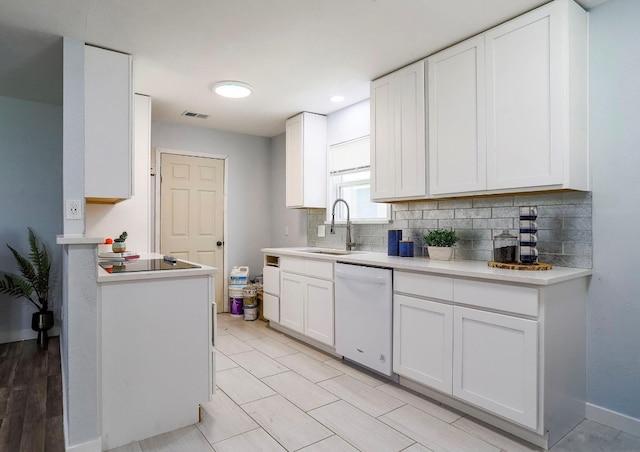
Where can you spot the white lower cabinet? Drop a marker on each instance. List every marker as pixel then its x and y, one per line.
pixel 306 306
pixel 495 363
pixel 292 301
pixel 318 310
pixel 423 341
pixel 271 293
pixel 487 359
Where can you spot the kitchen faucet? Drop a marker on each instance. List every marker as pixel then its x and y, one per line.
pixel 350 244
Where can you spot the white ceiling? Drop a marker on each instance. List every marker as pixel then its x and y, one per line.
pixel 295 53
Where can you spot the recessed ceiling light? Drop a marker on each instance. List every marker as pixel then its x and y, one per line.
pixel 336 98
pixel 232 89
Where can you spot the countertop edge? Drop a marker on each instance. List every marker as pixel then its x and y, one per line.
pixel 460 268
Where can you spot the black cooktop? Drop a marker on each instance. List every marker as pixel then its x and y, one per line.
pixel 144 265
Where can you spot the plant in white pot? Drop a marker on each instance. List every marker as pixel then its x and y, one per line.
pixel 440 242
pixel 33 285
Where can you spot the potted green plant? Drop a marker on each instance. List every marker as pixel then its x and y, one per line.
pixel 119 245
pixel 33 285
pixel 440 242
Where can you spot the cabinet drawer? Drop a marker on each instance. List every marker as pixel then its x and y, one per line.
pixel 307 267
pixel 502 297
pixel 271 281
pixel 292 265
pixel 318 269
pixel 440 287
pixel 271 307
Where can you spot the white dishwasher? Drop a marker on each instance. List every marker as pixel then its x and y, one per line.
pixel 363 315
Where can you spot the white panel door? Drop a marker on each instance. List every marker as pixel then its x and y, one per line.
pixel 319 310
pixel 457 126
pixel 192 211
pixel 525 97
pixel 423 341
pixel 292 294
pixel 410 145
pixel 495 363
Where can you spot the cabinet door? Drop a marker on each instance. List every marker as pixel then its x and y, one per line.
pixel 271 307
pixel 306 161
pixel 108 124
pixel 271 279
pixel 457 137
pixel 292 301
pixel 423 341
pixel 382 139
pixel 398 128
pixel 294 162
pixel 410 145
pixel 319 310
pixel 495 363
pixel 525 117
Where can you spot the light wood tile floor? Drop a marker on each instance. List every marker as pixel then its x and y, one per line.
pixel 278 394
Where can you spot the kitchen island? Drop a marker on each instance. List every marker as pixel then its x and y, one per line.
pixel 155 348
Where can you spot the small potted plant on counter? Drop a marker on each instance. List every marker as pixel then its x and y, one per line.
pixel 440 242
pixel 33 285
pixel 119 245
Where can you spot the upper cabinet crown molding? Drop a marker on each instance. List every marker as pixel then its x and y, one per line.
pixel 398 140
pixel 306 161
pixel 108 125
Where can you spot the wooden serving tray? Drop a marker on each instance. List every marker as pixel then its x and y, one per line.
pixel 531 267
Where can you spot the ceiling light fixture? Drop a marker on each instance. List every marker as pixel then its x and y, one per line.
pixel 336 98
pixel 232 89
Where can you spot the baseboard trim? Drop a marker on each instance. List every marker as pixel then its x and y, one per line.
pixel 90 446
pixel 25 335
pixel 613 419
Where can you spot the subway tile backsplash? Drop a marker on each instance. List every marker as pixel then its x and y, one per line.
pixel 564 226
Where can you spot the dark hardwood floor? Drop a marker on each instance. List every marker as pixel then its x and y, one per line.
pixel 30 397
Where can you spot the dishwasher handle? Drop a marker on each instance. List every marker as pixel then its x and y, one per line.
pixel 369 279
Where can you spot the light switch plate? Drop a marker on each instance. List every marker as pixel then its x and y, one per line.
pixel 322 231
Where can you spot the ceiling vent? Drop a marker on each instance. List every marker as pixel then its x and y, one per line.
pixel 192 114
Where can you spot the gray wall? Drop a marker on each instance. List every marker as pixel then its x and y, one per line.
pixel 294 221
pixel 249 196
pixel 30 196
pixel 613 358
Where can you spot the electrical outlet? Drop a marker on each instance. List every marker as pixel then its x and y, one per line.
pixel 286 230
pixel 73 209
pixel 322 230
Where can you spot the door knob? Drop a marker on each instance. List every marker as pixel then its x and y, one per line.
pixel 219 243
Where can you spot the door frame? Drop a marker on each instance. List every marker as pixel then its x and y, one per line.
pixel 156 172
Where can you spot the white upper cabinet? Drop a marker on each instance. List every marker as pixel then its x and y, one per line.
pixel 108 125
pixel 508 108
pixel 536 100
pixel 398 147
pixel 306 161
pixel 457 142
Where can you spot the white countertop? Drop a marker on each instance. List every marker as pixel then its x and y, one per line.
pixel 106 277
pixel 461 268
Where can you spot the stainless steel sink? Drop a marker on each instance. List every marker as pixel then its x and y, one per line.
pixel 327 252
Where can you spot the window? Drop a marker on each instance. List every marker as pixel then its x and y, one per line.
pixel 349 179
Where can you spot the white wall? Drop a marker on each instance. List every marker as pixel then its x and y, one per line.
pixel 349 123
pixel 30 196
pixel 132 215
pixel 249 196
pixel 613 347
